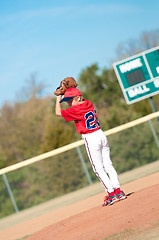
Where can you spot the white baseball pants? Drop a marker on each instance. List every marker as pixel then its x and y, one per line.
pixel 99 154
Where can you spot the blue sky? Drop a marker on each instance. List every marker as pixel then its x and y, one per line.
pixel 56 39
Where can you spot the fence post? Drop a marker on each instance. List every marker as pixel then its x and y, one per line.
pixel 153 106
pixel 10 192
pixel 84 165
pixel 154 133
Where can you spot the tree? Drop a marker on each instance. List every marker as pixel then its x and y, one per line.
pixel 131 47
pixel 56 133
pixel 21 129
pixel 99 86
pixel 32 89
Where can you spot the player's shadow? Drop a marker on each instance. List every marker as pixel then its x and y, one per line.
pixel 129 194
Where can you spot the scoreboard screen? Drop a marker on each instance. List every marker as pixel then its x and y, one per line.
pixel 135 77
pixel 138 75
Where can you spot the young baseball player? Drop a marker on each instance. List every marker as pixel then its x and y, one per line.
pixel 82 112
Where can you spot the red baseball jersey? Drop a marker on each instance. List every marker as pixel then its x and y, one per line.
pixel 84 116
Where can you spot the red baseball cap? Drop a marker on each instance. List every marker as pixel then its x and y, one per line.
pixel 70 93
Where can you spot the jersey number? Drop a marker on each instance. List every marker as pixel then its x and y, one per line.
pixel 91 121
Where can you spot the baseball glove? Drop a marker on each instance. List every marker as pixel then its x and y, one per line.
pixel 64 85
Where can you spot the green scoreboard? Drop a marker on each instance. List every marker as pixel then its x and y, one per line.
pixel 138 75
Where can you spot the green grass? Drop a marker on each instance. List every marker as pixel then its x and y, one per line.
pixel 149 233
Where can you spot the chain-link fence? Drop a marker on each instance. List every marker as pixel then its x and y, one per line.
pixel 67 169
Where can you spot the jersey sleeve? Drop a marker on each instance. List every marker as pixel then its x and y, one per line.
pixel 71 114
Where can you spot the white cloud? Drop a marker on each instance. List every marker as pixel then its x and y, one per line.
pixel 74 10
pixel 30 14
pixel 109 8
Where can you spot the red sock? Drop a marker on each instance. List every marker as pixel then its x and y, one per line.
pixel 117 191
pixel 111 194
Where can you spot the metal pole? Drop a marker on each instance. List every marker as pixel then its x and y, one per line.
pixel 10 192
pixel 84 165
pixel 153 106
pixel 154 133
pixel 154 109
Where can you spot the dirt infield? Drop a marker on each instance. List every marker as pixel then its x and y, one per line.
pixel 97 223
pixel 86 219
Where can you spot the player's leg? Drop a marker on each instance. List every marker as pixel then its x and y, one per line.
pixel 109 168
pixel 95 155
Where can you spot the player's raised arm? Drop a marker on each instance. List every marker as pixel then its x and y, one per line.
pixel 58 106
pixel 66 83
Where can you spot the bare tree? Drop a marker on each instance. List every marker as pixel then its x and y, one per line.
pixel 32 89
pixel 131 47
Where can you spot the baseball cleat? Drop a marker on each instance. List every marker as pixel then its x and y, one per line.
pixel 109 200
pixel 121 195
